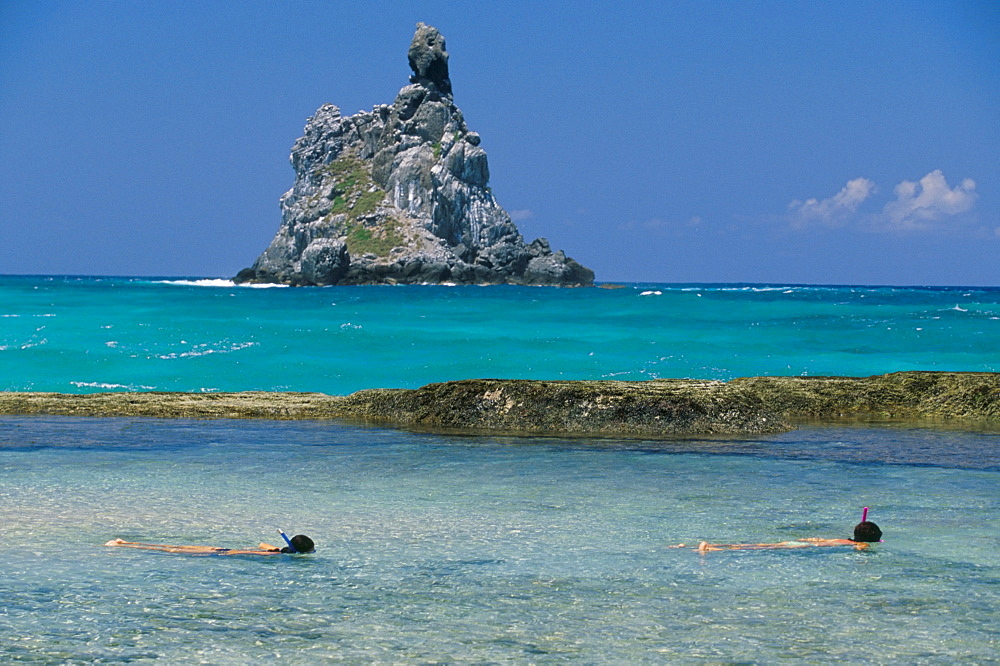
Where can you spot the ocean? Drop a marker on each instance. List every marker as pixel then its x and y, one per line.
pixel 457 549
pixel 105 334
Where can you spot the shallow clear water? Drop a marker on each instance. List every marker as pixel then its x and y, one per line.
pixel 486 550
pixel 89 334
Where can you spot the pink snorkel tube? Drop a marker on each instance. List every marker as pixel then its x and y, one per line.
pixel 864 518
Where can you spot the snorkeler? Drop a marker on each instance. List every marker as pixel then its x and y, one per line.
pixel 865 533
pixel 299 543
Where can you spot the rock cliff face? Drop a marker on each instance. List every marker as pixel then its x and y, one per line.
pixel 401 195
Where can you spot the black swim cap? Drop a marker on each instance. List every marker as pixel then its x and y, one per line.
pixel 302 544
pixel 867 531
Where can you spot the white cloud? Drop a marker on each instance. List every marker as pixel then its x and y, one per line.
pixel 919 205
pixel 834 211
pixel 521 214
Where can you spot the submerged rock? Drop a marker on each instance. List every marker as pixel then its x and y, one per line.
pixel 401 195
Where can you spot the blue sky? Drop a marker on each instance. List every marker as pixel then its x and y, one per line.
pixel 794 142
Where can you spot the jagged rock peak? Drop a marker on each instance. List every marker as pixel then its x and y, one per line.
pixel 401 195
pixel 429 59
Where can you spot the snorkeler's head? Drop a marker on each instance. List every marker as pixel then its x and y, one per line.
pixel 302 544
pixel 868 531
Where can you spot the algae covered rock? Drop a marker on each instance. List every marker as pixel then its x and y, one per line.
pixel 602 408
pixel 946 396
pixel 645 410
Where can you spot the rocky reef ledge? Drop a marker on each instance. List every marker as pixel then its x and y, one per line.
pixel 645 410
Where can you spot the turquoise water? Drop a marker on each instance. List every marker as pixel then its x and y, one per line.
pixel 87 334
pixel 453 549
pixel 491 550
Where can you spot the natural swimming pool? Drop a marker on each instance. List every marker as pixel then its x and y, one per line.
pixel 458 549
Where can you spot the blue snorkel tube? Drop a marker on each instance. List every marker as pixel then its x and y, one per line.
pixel 287 540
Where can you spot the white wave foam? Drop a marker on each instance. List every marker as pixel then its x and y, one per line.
pixel 29 344
pixel 737 288
pixel 267 285
pixel 651 293
pixel 218 282
pixel 205 350
pixel 103 385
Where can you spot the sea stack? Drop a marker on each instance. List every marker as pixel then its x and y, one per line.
pixel 401 195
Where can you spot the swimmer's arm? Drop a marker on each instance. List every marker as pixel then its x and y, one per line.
pixel 704 546
pixel 816 541
pixel 166 548
pixel 819 541
pixel 121 543
pixel 261 549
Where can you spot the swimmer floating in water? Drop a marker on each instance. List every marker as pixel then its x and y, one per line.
pixel 865 533
pixel 299 543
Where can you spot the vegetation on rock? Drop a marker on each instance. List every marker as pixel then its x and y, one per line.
pixel 357 197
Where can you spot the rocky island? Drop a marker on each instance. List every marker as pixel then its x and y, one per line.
pixel 401 195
